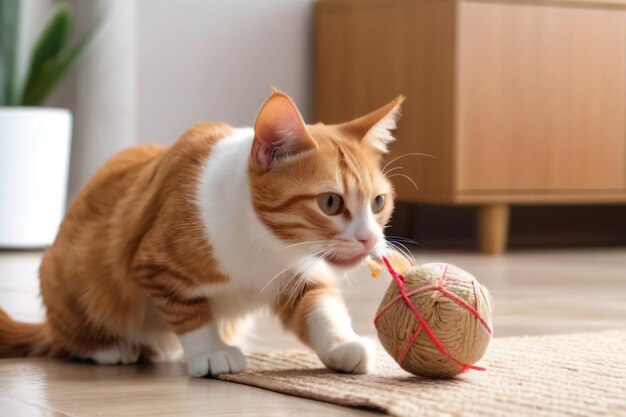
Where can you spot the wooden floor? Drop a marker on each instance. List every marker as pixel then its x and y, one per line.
pixel 535 293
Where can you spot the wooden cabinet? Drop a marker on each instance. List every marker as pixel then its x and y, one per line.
pixel 518 101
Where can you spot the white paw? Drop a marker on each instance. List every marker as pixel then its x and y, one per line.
pixel 227 359
pixel 356 357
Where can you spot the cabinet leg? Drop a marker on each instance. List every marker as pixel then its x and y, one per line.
pixel 493 227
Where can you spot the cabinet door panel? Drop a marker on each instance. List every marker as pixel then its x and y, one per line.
pixel 541 98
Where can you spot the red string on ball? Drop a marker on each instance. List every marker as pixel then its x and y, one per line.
pixel 422 324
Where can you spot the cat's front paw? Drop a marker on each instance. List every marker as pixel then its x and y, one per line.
pixel 225 360
pixel 356 356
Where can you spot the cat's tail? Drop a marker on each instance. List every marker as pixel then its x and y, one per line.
pixel 19 339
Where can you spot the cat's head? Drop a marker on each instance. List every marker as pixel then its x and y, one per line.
pixel 322 186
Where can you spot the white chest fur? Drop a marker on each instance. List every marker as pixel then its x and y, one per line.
pixel 246 250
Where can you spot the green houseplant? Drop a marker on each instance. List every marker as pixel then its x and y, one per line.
pixel 34 141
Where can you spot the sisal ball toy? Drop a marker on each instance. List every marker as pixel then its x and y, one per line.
pixel 435 319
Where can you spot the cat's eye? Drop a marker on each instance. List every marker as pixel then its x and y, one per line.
pixel 330 203
pixel 379 203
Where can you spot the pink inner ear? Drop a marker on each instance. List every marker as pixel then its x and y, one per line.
pixel 279 125
pixel 263 156
pixel 287 144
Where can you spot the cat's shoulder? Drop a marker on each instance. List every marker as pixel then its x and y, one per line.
pixel 200 138
pixel 194 146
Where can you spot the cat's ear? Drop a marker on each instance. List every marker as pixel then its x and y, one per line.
pixel 374 129
pixel 279 131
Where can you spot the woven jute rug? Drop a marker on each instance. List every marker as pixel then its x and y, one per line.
pixel 564 375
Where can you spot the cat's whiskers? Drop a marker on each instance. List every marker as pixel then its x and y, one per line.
pixel 394 169
pixel 407 177
pixel 284 249
pixel 402 249
pixel 282 271
pixel 405 240
pixel 317 256
pixel 301 277
pixel 289 265
pixel 296 288
pixel 288 284
pixel 404 156
pixel 402 238
pixel 298 244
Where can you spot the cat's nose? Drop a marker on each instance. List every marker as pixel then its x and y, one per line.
pixel 368 240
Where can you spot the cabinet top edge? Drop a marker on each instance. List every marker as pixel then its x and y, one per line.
pixel 330 5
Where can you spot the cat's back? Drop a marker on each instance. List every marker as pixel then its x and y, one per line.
pixel 125 195
pixel 115 179
pixel 143 172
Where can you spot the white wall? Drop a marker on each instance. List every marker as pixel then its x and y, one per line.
pixel 201 60
pixel 100 90
pixel 192 60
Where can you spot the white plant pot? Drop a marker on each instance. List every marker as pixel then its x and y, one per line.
pixel 34 165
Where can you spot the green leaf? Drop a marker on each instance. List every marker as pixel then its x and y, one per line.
pixel 52 72
pixel 48 47
pixel 9 41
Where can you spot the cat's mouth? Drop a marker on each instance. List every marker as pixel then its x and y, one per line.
pixel 346 262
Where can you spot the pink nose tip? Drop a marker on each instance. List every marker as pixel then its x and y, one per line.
pixel 368 240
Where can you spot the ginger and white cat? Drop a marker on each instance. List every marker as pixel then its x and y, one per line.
pixel 187 239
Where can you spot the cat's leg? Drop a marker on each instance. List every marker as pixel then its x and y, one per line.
pixel 191 319
pixel 235 330
pixel 318 316
pixel 207 354
pixel 120 352
pixel 83 339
